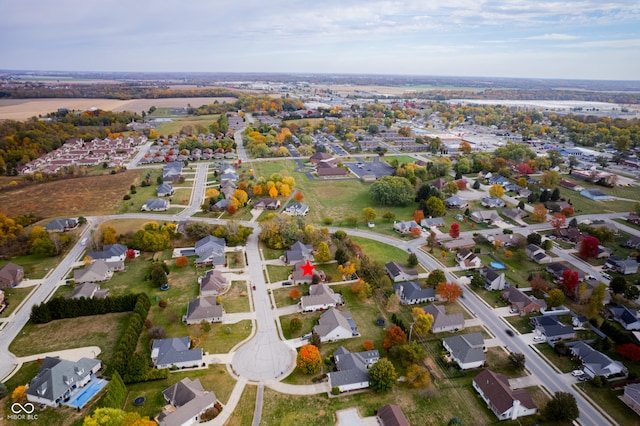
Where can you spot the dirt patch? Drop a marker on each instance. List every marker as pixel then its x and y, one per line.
pixel 433 369
pixel 86 196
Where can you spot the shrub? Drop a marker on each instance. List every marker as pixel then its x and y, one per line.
pixel 335 390
pixel 163 303
pixel 126 197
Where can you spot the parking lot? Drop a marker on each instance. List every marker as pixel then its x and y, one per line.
pixel 375 167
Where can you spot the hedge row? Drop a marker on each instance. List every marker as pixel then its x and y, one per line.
pixel 60 307
pixel 127 344
pixel 116 393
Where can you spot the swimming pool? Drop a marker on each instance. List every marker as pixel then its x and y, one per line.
pixel 498 265
pixel 81 398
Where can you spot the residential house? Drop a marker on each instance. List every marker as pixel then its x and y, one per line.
pixel 458 243
pixel 633 242
pixel 490 217
pixel 405 227
pixel 522 303
pixel 537 254
pixel 466 350
pixel 467 259
pixel 203 309
pixel 484 174
pixel 299 277
pixel 335 325
pixel 627 318
pixel 572 235
pixel 187 401
pixel 455 202
pixel 267 203
pixel 155 205
pixel 579 321
pixel 507 240
pixel 596 363
pixel 3 301
pixel 443 322
pixel 61 225
pixel 298 252
pixel 492 202
pixel 398 273
pixel 89 291
pixel 175 352
pixel 550 327
pixel 556 269
pixel 391 415
pixel 210 251
pixel 110 253
pixel 498 180
pixel 58 379
pixel 432 222
pixel 97 271
pixel 633 218
pixel 631 397
pixel 165 190
pixel 439 184
pixel 506 403
pixel 493 280
pixel 595 194
pixel 352 369
pixel 11 275
pixel 212 283
pixel 220 205
pixel 624 266
pixel 297 209
pixel 171 171
pixel 322 157
pixel 410 293
pixel 515 213
pixel 320 298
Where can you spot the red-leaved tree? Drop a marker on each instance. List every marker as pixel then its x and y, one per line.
pixel 131 254
pixel 462 184
pixel 394 337
pixel 558 220
pixel 454 230
pixel 299 196
pixel 630 351
pixel 294 294
pixel 449 291
pixel 524 169
pixel 182 261
pixel 589 247
pixel 416 232
pixel 570 280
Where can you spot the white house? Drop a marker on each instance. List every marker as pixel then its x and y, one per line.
pixel 187 401
pixel 175 352
pixel 466 350
pixel 59 379
pixel 352 369
pixel 320 297
pixel 410 293
pixel 336 325
pixel 506 403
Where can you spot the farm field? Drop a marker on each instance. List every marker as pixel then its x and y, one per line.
pixel 21 109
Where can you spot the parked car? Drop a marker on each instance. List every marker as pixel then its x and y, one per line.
pixel 539 338
pixel 287 283
pixel 305 336
pixel 606 277
pixel 577 373
pixel 583 378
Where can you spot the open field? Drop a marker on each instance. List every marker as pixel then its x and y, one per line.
pixel 13 298
pixel 21 109
pixel 243 413
pixel 86 196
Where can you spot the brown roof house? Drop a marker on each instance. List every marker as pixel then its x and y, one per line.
pixel 212 283
pixel 467 259
pixel 203 309
pixel 11 275
pixel 187 401
pixel 392 415
pixel 506 404
pixel 522 303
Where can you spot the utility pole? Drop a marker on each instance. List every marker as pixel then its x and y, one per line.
pixel 410 330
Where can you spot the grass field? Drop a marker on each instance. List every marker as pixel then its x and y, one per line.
pixel 243 413
pixel 174 126
pixel 95 330
pixel 13 298
pixel 278 273
pixel 35 266
pixel 235 300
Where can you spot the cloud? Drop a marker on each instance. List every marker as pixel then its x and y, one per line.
pixel 554 36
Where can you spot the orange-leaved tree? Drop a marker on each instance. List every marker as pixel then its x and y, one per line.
pixel 395 336
pixel 449 291
pixel 367 345
pixel 294 294
pixel 309 360
pixel 182 261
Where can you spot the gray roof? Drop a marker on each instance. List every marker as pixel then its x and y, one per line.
pixel 96 271
pixel 165 188
pixel 174 350
pixel 352 366
pixel 332 319
pixel 394 269
pixel 412 291
pixel 89 290
pixel 213 280
pixel 597 362
pixel 190 398
pixel 108 251
pixel 441 319
pixel 56 376
pixel 59 224
pixel 211 249
pixel 467 347
pixel 392 415
pixel 156 204
pixel 298 252
pixel 321 294
pixel 204 308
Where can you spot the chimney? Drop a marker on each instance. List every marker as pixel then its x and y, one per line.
pixel 515 409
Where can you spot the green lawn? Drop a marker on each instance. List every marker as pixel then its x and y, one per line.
pixel 563 363
pixel 278 273
pixel 218 341
pixel 520 323
pixel 13 298
pixel 96 330
pixel 281 295
pixel 270 254
pixel 609 402
pixel 35 267
pixel 309 320
pixel 493 298
pixel 236 300
pixel 243 413
pixel 380 252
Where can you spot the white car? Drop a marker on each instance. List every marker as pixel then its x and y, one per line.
pixel 539 338
pixel 577 373
pixel 606 277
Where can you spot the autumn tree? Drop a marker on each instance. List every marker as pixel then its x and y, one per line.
pixel 416 232
pixel 182 261
pixel 434 206
pixel 309 360
pixel 347 270
pixel 19 394
pixel 212 193
pixel 570 280
pixel 436 277
pixel 597 300
pixel 368 345
pixel 273 192
pixel 550 178
pixel 393 337
pixel 418 215
pixel 241 196
pixel 539 213
pixel 323 254
pixel 555 298
pixel 109 236
pixel 368 214
pixel 589 247
pixel 361 289
pixel 496 190
pixel 294 294
pixel 382 376
pixel 417 376
pixel 298 196
pixel 449 291
pixel 558 221
pixel 454 230
pixel 538 283
pixel 422 321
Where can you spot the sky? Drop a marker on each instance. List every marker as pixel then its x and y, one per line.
pixel 582 39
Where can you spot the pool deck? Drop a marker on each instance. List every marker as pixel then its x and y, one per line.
pixel 86 393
